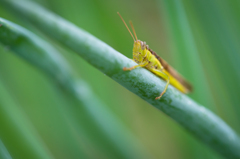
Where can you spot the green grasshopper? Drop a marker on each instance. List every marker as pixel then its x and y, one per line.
pixel 148 59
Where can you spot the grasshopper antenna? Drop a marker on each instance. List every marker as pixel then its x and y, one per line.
pixel 133 30
pixel 126 25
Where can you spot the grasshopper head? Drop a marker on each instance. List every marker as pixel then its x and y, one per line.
pixel 139 46
pixel 138 50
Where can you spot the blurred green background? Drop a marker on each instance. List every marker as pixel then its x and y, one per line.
pixel 200 38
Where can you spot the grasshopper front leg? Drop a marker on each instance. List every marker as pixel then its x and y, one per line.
pixel 133 67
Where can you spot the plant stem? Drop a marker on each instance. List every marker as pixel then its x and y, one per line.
pixel 42 55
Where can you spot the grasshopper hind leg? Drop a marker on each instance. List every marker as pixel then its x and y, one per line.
pixel 165 77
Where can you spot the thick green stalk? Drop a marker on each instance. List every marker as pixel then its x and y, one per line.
pixel 198 120
pixel 40 54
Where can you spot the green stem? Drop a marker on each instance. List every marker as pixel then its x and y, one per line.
pixel 198 120
pixel 42 55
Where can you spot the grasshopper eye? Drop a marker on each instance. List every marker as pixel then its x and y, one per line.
pixel 143 45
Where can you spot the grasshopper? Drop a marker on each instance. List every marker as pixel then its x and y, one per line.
pixel 147 58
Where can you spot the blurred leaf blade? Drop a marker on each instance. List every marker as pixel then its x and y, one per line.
pixel 211 25
pixel 4 152
pixel 16 127
pixel 220 34
pixel 187 55
pixel 214 39
pixel 186 51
